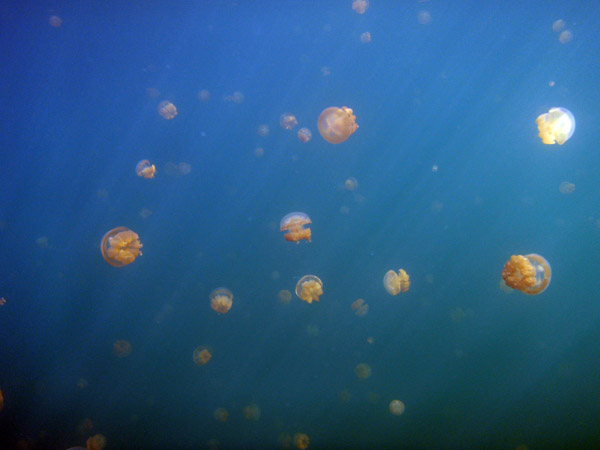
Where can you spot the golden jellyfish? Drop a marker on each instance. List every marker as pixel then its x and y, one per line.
pixel 120 246
pixel 301 441
pixel 304 135
pixel 221 414
pixel 566 188
pixel 201 356
pixel 529 274
pixel 252 412
pixel 288 121
pixel 397 407
pixel 360 6
pixel 395 283
pixel 221 300
pixel 293 224
pixel 167 109
pixel 145 169
pixel 556 126
pixel 284 296
pixel 96 442
pixel 359 307
pixel 309 288
pixel 122 348
pixel 336 124
pixel 362 371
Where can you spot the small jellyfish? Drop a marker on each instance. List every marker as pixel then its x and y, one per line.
pixel 529 274
pixel 288 121
pixel 336 124
pixel 167 109
pixel 565 37
pixel 55 21
pixel 221 300
pixel 252 412
pixel 396 283
pixel 301 441
pixel 221 414
pixel 351 184
pixel 556 126
pixel 204 95
pixel 424 17
pixel 304 135
pixel 362 371
pixel 396 407
pixel 201 355
pixel 122 348
pixel 359 307
pixel 558 26
pixel 309 288
pixel 96 442
pixel 1 400
pixel 360 6
pixel 365 37
pixel 263 130
pixel 293 224
pixel 145 169
pixel 2 301
pixel 284 296
pixel 120 246
pixel 566 188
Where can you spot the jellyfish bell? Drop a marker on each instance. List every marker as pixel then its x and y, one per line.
pixel 221 300
pixel 294 227
pixel 556 126
pixel 530 274
pixel 337 124
pixel 394 283
pixel 120 246
pixel 309 288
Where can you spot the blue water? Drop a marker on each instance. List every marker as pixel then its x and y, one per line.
pixel 475 366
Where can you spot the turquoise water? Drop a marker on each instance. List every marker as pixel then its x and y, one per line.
pixel 452 180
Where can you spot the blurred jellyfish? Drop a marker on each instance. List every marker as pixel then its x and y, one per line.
pixel 424 17
pixel 360 6
pixel 204 95
pixel 284 296
pixel 566 188
pixel 96 442
pixel 351 184
pixel 263 130
pixel 122 348
pixel 359 307
pixel 201 355
pixel 252 412
pixel 145 169
pixel 365 37
pixel 167 109
pixel 396 407
pixel 301 441
pixel 558 26
pixel 565 37
pixel 288 121
pixel 55 21
pixel 362 371
pixel 221 414
pixel 556 126
pixel 221 300
pixel 304 135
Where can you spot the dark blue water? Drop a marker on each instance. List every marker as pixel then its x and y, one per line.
pixel 475 366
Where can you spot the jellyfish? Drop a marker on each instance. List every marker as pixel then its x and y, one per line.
pixel 201 355
pixel 309 288
pixel 1 400
pixel 396 283
pixel 529 274
pixel 359 307
pixel 301 441
pixel 304 135
pixel 365 37
pixel 351 184
pixel 288 121
pixel 336 124
pixel 145 169
pixel 122 348
pixel 284 296
pixel 221 300
pixel 120 246
pixel 556 126
pixel 252 412
pixel 360 6
pixel 55 21
pixel 221 414
pixel 96 442
pixel 566 188
pixel 167 109
pixel 396 407
pixel 362 371
pixel 293 224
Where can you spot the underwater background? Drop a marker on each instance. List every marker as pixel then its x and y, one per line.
pixel 445 177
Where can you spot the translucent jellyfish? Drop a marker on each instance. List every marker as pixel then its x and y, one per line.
pixel 1 400
pixel 309 288
pixel 288 121
pixel 395 283
pixel 359 307
pixel 263 130
pixel 204 95
pixel 284 296
pixel 120 246
pixel 362 371
pixel 221 414
pixel 201 355
pixel 556 126
pixel 122 348
pixel 221 300
pixel 566 188
pixel 558 26
pixel 360 6
pixel 565 37
pixel 96 442
pixel 336 124
pixel 252 412
pixel 167 109
pixel 55 21
pixel 145 169
pixel 351 184
pixel 301 441
pixel 529 274
pixel 293 224
pixel 304 135
pixel 365 37
pixel 236 97
pixel 259 152
pixel 2 301
pixel 396 407
pixel 424 17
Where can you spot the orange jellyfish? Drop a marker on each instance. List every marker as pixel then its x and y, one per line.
pixel 309 288
pixel 359 307
pixel 252 412
pixel 397 407
pixel 122 348
pixel 337 124
pixel 362 371
pixel 529 274
pixel 304 135
pixel 288 121
pixel 120 246
pixel 96 442
pixel 556 126
pixel 201 355
pixel 301 441
pixel 167 109
pixel 396 283
pixel 145 169
pixel 293 224
pixel 221 300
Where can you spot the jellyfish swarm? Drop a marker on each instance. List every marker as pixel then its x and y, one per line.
pixel 293 225
pixel 337 124
pixel 145 169
pixel 309 288
pixel 120 246
pixel 221 300
pixel 556 126
pixel 396 283
pixel 529 274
